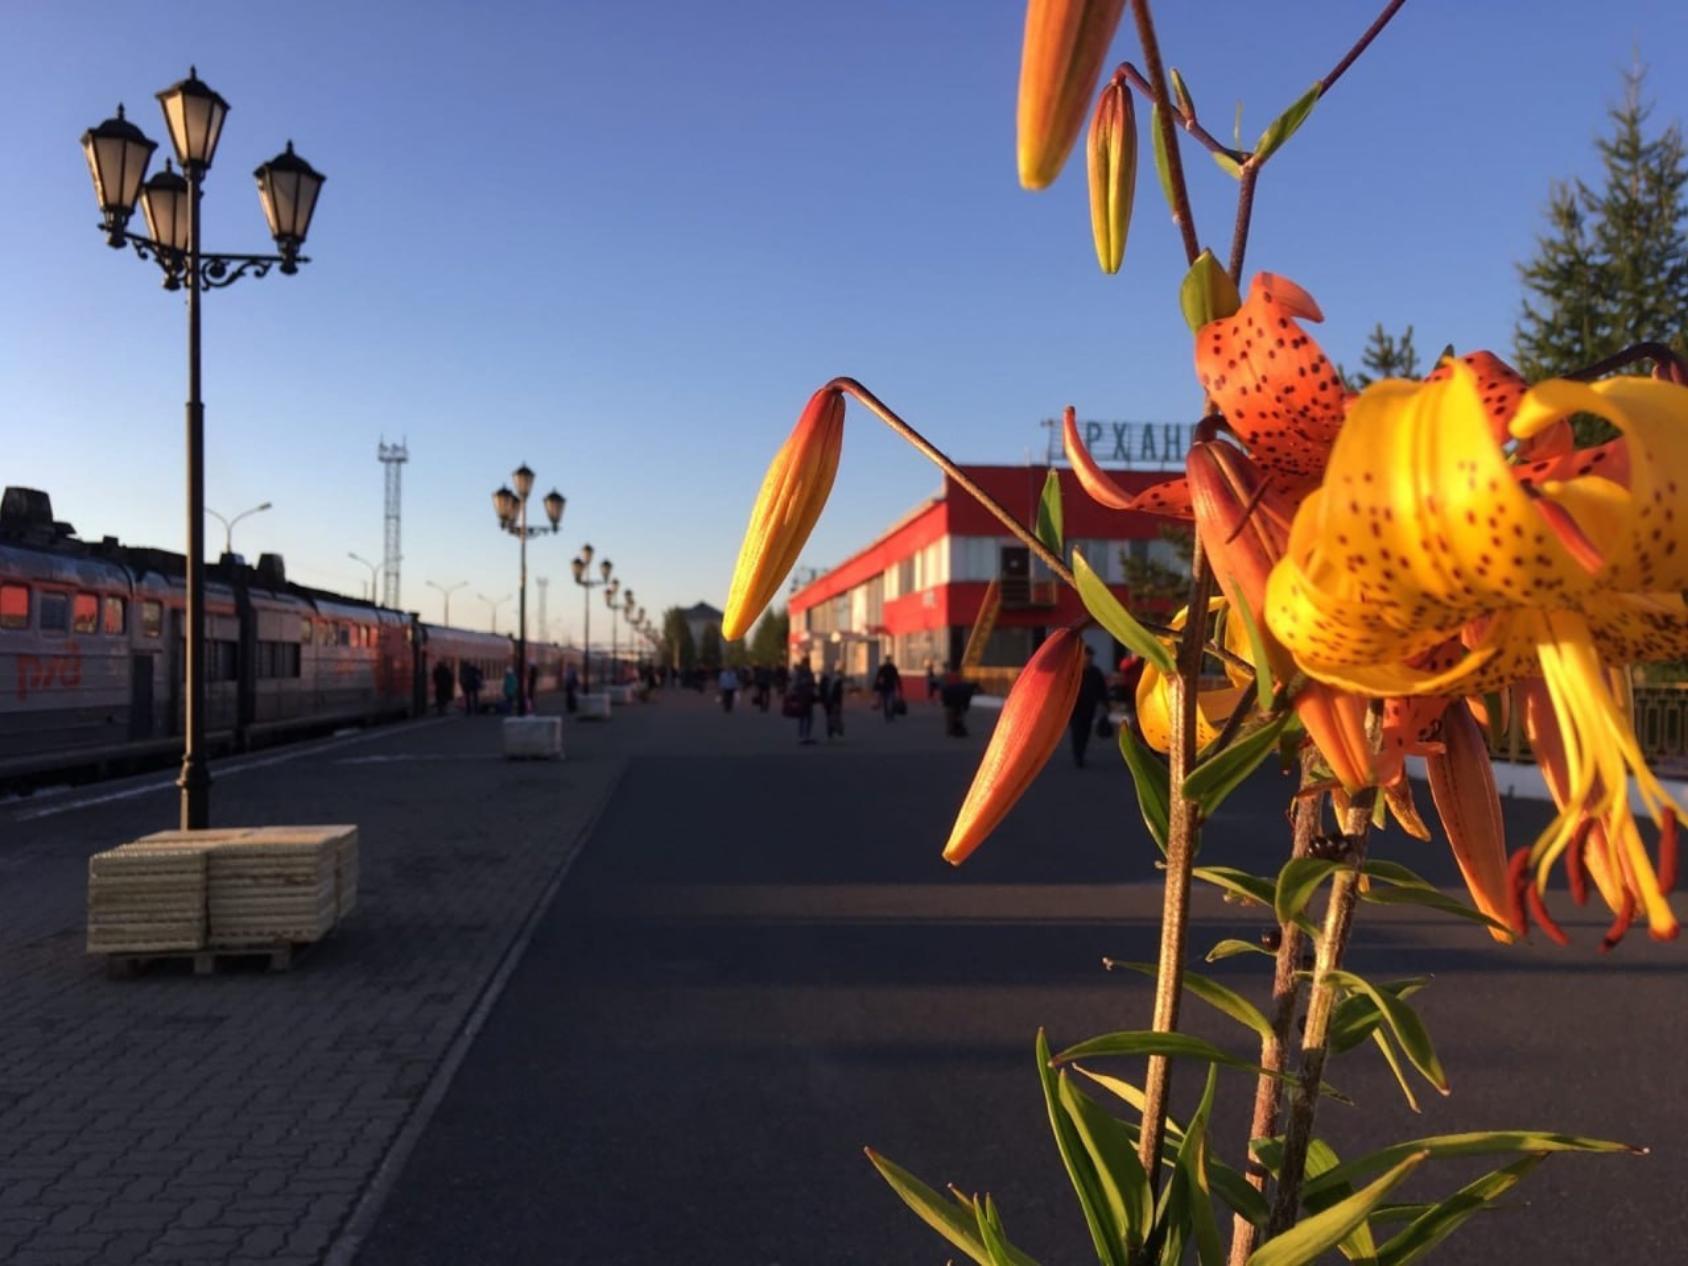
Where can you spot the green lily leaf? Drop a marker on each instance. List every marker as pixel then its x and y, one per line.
pixel 1181 98
pixel 1384 1045
pixel 1251 888
pixel 1311 1236
pixel 1110 1250
pixel 1357 1015
pixel 1264 685
pixel 1049 525
pixel 1358 1244
pixel 1207 292
pixel 1479 1143
pixel 1230 947
pixel 1153 781
pixel 1113 1156
pixel 1285 125
pixel 1297 882
pixel 991 1234
pixel 1404 1023
pixel 1172 1045
pixel 1218 776
pixel 1220 997
pixel 1192 1166
pixel 1432 898
pixel 939 1214
pixel 1163 171
pixel 1099 600
pixel 1441 1220
pixel 1230 166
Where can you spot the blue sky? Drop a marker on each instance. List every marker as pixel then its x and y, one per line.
pixel 623 242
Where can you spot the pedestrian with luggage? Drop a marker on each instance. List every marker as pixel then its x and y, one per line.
pixel 1092 694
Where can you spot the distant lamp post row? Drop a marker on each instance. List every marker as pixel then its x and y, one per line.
pixel 375 570
pixel 228 524
pixel 492 605
pixel 118 154
pixel 511 507
pixel 581 565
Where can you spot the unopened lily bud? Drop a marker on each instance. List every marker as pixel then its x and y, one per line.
pixel 1060 62
pixel 1113 172
pixel 793 492
pixel 1034 716
pixel 1462 783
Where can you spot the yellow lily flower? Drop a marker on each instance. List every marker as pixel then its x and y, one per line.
pixel 1422 531
pixel 1213 705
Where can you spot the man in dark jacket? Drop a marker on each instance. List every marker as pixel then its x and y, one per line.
pixel 442 687
pixel 1092 694
pixel 888 685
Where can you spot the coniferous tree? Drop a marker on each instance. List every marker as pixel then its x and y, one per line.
pixel 678 650
pixel 1385 357
pixel 1612 267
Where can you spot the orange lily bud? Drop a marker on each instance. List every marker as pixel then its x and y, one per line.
pixel 1243 521
pixel 1462 783
pixel 1060 61
pixel 793 492
pixel 1112 167
pixel 1034 716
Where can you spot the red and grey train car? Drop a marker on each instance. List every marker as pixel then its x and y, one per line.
pixel 91 649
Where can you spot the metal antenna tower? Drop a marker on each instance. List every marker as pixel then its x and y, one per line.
pixel 393 457
pixel 544 625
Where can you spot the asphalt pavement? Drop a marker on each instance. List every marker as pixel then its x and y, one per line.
pixel 759 964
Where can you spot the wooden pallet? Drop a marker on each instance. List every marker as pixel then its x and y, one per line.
pixel 280 956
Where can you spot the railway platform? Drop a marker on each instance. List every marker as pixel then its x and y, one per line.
pixel 238 1117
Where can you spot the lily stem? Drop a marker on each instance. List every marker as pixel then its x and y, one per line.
pixel 1183 834
pixel 1286 991
pixel 1181 210
pixel 1321 1001
pixel 941 460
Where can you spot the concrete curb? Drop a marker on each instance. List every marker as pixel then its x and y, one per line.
pixel 344 1250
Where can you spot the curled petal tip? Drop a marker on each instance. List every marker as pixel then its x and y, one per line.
pixel 1034 716
pixel 1061 59
pixel 1092 478
pixel 1462 783
pixel 793 492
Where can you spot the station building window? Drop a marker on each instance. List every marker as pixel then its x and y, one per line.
pixel 152 618
pixel 116 616
pixel 55 612
pixel 85 614
pixel 14 606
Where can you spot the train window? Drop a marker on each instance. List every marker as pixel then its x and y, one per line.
pixel 55 612
pixel 225 661
pixel 345 635
pixel 116 615
pixel 304 632
pixel 152 618
pixel 14 606
pixel 85 614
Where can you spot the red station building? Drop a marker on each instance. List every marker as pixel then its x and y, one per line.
pixel 918 591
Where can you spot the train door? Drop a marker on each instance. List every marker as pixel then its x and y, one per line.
pixel 140 697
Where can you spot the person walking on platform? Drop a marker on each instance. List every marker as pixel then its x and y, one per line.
pixel 888 685
pixel 832 700
pixel 571 689
pixel 728 683
pixel 1092 694
pixel 957 696
pixel 469 677
pixel 442 687
pixel 512 684
pixel 800 703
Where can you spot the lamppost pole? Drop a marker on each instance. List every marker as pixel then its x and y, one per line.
pixel 511 508
pixel 228 524
pixel 374 571
pixel 579 566
pixel 446 591
pixel 118 154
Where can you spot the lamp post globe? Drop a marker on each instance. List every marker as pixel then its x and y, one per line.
pixel 586 554
pixel 604 570
pixel 504 505
pixel 522 477
pixel 118 153
pixel 578 567
pixel 194 114
pixel 287 189
pixel 554 503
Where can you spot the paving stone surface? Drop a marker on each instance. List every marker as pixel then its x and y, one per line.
pixel 238 1117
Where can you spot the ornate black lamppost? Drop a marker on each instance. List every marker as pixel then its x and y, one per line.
pixel 511 508
pixel 582 578
pixel 118 154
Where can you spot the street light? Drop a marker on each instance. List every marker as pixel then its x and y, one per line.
pixel 118 154
pixel 580 564
pixel 511 508
pixel 228 524
pixel 447 591
pixel 492 607
pixel 610 597
pixel 374 571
